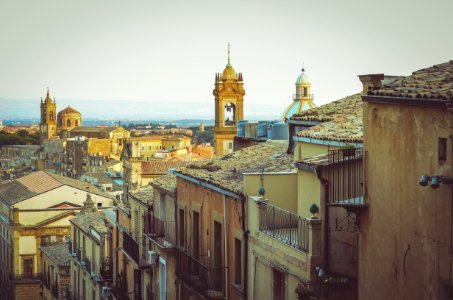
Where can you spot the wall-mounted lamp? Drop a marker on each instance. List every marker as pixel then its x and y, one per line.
pixel 436 180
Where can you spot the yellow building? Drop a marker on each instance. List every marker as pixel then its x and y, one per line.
pixel 69 118
pixel 91 243
pixel 55 265
pixel 159 146
pixel 34 211
pixel 302 99
pixel 229 107
pixel 48 124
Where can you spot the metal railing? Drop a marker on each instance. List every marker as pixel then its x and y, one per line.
pixel 80 255
pixel 336 288
pixel 130 246
pixel 284 226
pixel 27 276
pixel 207 281
pixel 106 269
pixel 88 265
pixel 346 176
pixel 161 231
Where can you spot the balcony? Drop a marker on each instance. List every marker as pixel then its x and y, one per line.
pixel 207 281
pixel 46 280
pixel 88 265
pixel 160 231
pixel 55 290
pixel 130 246
pixel 335 287
pixel 80 255
pixel 106 269
pixel 284 226
pixel 346 176
pixel 27 277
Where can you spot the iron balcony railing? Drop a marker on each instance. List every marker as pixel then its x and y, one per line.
pixel 207 281
pixel 284 226
pixel 106 269
pixel 336 288
pixel 88 265
pixel 27 276
pixel 130 246
pixel 346 177
pixel 161 231
pixel 80 255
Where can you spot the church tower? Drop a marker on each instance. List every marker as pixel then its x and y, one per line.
pixel 302 99
pixel 48 124
pixel 229 107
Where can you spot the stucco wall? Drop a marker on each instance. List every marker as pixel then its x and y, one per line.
pixel 281 188
pixel 309 193
pixel 406 232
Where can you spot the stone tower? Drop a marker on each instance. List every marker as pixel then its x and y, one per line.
pixel 229 107
pixel 48 124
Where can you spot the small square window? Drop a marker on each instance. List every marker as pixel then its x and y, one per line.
pixel 442 150
pixel 99 204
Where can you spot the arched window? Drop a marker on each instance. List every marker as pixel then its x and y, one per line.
pixel 76 123
pixel 229 114
pixel 68 123
pixel 51 115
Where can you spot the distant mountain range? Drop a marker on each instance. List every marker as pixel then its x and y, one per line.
pixel 27 110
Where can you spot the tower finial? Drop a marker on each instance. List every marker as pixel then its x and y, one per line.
pixel 229 54
pixel 303 66
pixel 47 91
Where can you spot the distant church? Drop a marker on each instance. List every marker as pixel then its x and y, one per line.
pixel 51 123
pixel 229 107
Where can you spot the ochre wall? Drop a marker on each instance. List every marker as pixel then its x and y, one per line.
pixel 405 234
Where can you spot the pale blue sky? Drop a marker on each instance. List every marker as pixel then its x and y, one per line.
pixel 170 50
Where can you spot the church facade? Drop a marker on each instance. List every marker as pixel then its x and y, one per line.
pixel 51 123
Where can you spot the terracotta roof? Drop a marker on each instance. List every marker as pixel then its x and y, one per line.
pixel 161 167
pixel 435 82
pixel 166 183
pixel 68 110
pixel 332 110
pixel 40 182
pixel 83 129
pixel 344 121
pixel 226 172
pixel 58 253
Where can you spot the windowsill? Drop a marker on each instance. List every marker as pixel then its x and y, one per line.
pixel 238 287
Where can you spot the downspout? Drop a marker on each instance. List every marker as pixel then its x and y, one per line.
pixel 326 252
pixel 175 194
pixel 246 247
pixel 225 246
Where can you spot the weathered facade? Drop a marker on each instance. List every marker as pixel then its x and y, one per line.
pixel 55 265
pixel 405 243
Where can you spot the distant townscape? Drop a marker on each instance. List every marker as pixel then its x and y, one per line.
pixel 347 200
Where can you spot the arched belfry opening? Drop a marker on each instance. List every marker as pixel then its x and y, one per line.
pixel 229 114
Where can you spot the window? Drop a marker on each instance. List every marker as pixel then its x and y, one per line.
pixel 182 228
pixel 68 123
pixel 230 145
pixel 76 123
pixel 278 284
pixel 27 268
pixel 51 115
pixel 442 150
pixel 100 204
pixel 196 234
pixel 237 262
pixel 305 92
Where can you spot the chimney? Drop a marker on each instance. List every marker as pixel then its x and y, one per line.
pixel 371 82
pixel 89 204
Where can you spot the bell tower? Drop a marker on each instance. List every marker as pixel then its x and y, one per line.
pixel 229 107
pixel 48 124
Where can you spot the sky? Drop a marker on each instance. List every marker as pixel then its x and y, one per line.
pixel 168 52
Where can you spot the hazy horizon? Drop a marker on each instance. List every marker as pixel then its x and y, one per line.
pixel 170 51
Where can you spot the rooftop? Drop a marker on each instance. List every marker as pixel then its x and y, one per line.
pixel 342 121
pixel 161 167
pixel 144 195
pixel 435 82
pixel 84 129
pixel 226 172
pixel 95 219
pixel 57 253
pixel 332 110
pixel 69 110
pixel 40 182
pixel 166 183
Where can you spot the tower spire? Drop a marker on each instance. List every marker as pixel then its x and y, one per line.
pixel 229 54
pixel 47 91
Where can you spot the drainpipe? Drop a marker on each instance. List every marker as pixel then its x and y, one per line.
pixel 246 247
pixel 225 245
pixel 326 252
